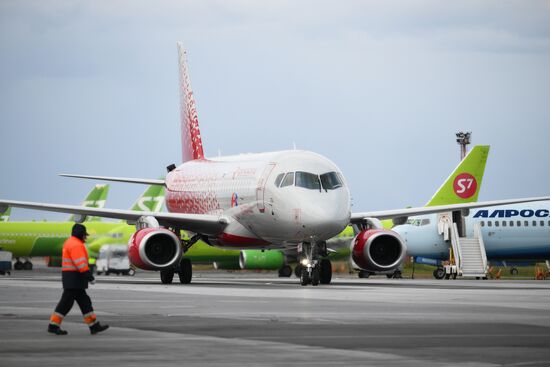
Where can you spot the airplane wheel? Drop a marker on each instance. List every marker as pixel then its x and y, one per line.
pixel 439 273
pixel 285 271
pixel 315 276
pixel 304 277
pixel 363 274
pixel 27 265
pixel 326 271
pixel 166 276
pixel 389 276
pixel 397 274
pixel 18 265
pixel 298 270
pixel 186 271
pixel 514 271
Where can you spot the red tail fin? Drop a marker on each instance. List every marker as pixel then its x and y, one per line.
pixel 191 143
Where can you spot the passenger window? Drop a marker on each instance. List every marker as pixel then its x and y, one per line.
pixel 308 181
pixel 511 223
pixel 330 181
pixel 289 180
pixel 504 223
pixel 526 223
pixel 482 223
pixel 279 179
pixel 489 223
pixel 518 223
pixel 534 223
pixel 541 223
pixel 497 223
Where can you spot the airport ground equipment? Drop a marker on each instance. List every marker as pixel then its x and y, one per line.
pixel 468 256
pixel 113 259
pixel 5 262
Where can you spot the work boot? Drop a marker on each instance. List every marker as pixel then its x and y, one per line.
pixel 98 328
pixel 54 329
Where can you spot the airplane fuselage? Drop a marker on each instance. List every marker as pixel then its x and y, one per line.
pixel 509 232
pixel 266 208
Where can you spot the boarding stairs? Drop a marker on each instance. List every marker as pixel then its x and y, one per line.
pixel 468 254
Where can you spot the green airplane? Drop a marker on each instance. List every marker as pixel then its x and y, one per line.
pixel 29 239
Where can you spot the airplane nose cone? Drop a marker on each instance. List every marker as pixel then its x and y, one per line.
pixel 326 221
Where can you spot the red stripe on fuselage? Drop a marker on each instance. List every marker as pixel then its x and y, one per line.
pixel 231 240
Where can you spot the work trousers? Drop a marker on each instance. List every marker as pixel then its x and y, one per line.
pixel 67 301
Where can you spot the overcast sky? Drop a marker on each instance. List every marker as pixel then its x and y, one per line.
pixel 379 87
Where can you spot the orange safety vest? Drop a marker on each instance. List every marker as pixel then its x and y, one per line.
pixel 74 256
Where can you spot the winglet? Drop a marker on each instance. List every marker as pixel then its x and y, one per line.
pixel 463 185
pixel 191 143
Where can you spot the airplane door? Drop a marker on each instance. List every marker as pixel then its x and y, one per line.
pixel 260 189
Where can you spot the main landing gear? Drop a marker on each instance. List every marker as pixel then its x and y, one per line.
pixel 19 265
pixel 184 269
pixel 314 270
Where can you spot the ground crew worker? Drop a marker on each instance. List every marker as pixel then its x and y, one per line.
pixel 75 276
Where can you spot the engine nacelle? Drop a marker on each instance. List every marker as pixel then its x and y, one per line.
pixel 154 248
pixel 378 250
pixel 261 260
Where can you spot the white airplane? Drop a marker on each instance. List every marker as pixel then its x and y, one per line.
pixel 271 200
pixel 519 232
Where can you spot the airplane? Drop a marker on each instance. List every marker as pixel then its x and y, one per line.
pixel 275 200
pixel 24 239
pixel 519 232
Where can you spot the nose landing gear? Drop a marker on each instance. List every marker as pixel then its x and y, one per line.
pixel 314 269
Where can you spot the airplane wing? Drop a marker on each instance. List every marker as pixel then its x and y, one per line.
pixel 390 214
pixel 199 223
pixel 145 181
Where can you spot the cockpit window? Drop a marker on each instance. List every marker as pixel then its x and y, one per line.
pixel 418 222
pixel 330 181
pixel 279 179
pixel 308 180
pixel 289 180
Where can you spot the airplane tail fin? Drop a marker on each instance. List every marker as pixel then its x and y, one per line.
pixel 463 185
pixel 5 215
pixel 95 199
pixel 191 142
pixel 151 200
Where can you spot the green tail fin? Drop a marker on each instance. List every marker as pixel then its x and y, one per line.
pixel 5 215
pixel 95 199
pixel 463 185
pixel 151 200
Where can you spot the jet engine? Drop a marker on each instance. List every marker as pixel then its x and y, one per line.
pixel 261 260
pixel 378 250
pixel 154 248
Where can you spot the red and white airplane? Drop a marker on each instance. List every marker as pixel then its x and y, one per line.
pixel 287 199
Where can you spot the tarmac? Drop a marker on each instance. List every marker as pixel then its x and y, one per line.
pixel 232 319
